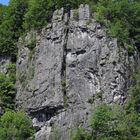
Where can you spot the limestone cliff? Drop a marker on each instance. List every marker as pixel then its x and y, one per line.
pixel 66 69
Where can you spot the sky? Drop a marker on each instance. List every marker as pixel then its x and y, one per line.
pixel 4 2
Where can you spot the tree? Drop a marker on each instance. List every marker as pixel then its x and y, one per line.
pixel 15 126
pixel 2 12
pixel 38 14
pixel 11 26
pixel 7 92
pixel 121 17
pixel 133 109
pixel 108 123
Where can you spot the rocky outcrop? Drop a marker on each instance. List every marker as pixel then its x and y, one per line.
pixel 4 62
pixel 68 68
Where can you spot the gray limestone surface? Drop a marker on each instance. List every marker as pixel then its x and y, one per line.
pixel 73 67
pixel 4 61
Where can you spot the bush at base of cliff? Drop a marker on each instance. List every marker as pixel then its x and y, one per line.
pixel 107 123
pixel 15 126
pixel 133 108
pixel 81 134
pixel 113 122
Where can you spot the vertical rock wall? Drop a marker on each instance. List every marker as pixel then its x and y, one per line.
pixel 72 66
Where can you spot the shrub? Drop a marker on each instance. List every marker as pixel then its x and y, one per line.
pixel 15 125
pixel 121 18
pixel 131 50
pixel 7 92
pixel 81 134
pixel 107 122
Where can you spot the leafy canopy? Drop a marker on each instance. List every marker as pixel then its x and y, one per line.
pixel 121 17
pixel 7 92
pixel 15 125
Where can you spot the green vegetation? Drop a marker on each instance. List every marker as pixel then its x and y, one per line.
pixel 99 95
pixel 7 92
pixel 2 11
pixel 40 12
pixel 63 83
pixel 12 72
pixel 133 109
pixel 75 15
pixel 121 17
pixel 15 126
pixel 107 123
pixel 114 122
pixel 7 87
pixel 56 133
pixel 11 26
pixel 81 134
pixel 131 50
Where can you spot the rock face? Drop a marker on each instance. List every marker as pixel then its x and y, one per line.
pixel 68 68
pixel 4 61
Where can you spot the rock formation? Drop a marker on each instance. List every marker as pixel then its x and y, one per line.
pixel 66 69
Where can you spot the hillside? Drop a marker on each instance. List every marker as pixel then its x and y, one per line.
pixel 70 69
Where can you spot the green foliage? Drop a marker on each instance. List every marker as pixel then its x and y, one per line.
pixel 114 122
pixel 32 44
pixel 81 134
pixel 99 95
pixel 23 79
pixel 63 83
pixel 56 134
pixel 130 50
pixel 134 103
pixel 15 126
pixel 133 109
pixel 107 122
pixel 40 12
pixel 122 18
pixel 37 14
pixel 11 26
pixel 7 92
pixel 7 87
pixel 75 15
pixel 12 72
pixel 32 52
pixel 2 12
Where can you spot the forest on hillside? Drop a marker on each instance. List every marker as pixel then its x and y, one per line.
pixel 121 18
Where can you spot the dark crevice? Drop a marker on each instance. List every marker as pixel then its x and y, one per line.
pixel 81 52
pixel 68 50
pixel 45 113
pixel 72 65
pixel 63 70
